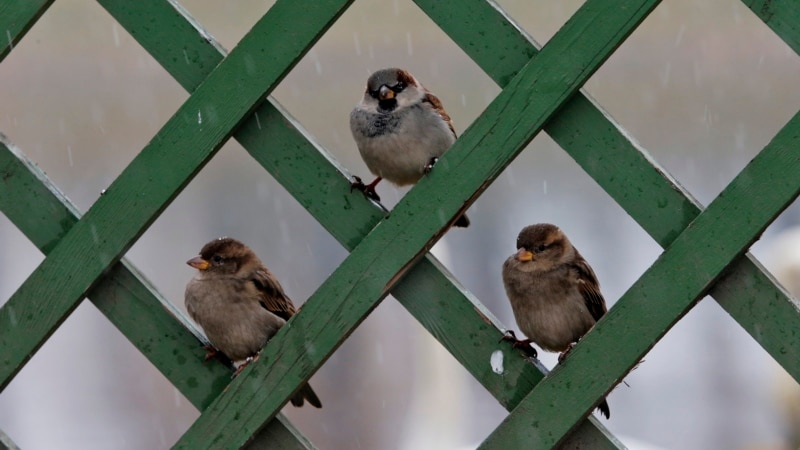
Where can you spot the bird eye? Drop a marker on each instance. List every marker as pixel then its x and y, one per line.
pixel 541 248
pixel 397 88
pixel 373 93
pixel 217 259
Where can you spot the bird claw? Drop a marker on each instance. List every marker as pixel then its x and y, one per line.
pixel 367 189
pixel 563 355
pixel 428 167
pixel 247 362
pixel 210 352
pixel 522 344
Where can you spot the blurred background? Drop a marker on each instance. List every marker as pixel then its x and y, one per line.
pixel 703 86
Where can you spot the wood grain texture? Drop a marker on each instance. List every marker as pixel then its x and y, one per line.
pixel 628 174
pixel 314 178
pixel 150 322
pixel 742 309
pixel 16 18
pixel 154 178
pixel 782 16
pixel 391 248
pixel 681 276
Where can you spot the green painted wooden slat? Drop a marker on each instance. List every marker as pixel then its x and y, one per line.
pixel 472 334
pixel 663 294
pixel 387 253
pixel 16 18
pixel 280 145
pixel 6 443
pixel 124 296
pixel 626 172
pixel 314 175
pixel 782 16
pixel 505 64
pixel 172 36
pixel 659 204
pixel 157 175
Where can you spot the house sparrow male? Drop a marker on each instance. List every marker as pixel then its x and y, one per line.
pixel 554 292
pixel 401 130
pixel 239 304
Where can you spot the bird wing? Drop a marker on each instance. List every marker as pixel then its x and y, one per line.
pixel 439 108
pixel 589 288
pixel 271 295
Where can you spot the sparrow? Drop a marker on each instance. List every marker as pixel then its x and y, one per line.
pixel 554 293
pixel 239 304
pixel 401 130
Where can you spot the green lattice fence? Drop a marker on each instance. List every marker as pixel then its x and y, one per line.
pixel 705 249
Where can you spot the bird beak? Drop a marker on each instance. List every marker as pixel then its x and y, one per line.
pixel 525 256
pixel 198 263
pixel 385 93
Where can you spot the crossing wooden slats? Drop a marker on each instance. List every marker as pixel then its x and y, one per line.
pixel 33 204
pixel 314 178
pixel 156 176
pixel 626 172
pixel 750 295
pixel 16 18
pixel 387 253
pixel 472 334
pixel 660 297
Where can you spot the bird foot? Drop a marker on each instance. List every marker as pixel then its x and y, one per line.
pixel 522 344
pixel 210 352
pixel 367 189
pixel 564 354
pixel 248 361
pixel 428 167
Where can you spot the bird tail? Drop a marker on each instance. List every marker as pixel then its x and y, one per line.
pixel 462 221
pixel 306 393
pixel 602 407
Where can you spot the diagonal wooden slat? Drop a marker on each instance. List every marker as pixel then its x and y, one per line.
pixel 281 146
pixel 150 322
pixel 783 16
pixel 155 177
pixel 6 443
pixel 16 18
pixel 768 283
pixel 626 172
pixel 719 235
pixel 326 195
pixel 387 253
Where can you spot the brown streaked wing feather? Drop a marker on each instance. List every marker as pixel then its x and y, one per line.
pixel 439 108
pixel 272 296
pixel 589 288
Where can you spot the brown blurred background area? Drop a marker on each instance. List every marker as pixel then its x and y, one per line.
pixel 703 86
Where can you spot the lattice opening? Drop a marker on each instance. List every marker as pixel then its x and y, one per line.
pixel 536 93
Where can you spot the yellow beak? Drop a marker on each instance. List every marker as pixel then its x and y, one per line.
pixel 525 256
pixel 385 93
pixel 198 263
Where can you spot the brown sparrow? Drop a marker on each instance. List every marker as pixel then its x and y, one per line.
pixel 554 292
pixel 239 304
pixel 401 130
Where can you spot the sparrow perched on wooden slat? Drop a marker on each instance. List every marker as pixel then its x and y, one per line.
pixel 239 304
pixel 401 130
pixel 554 293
